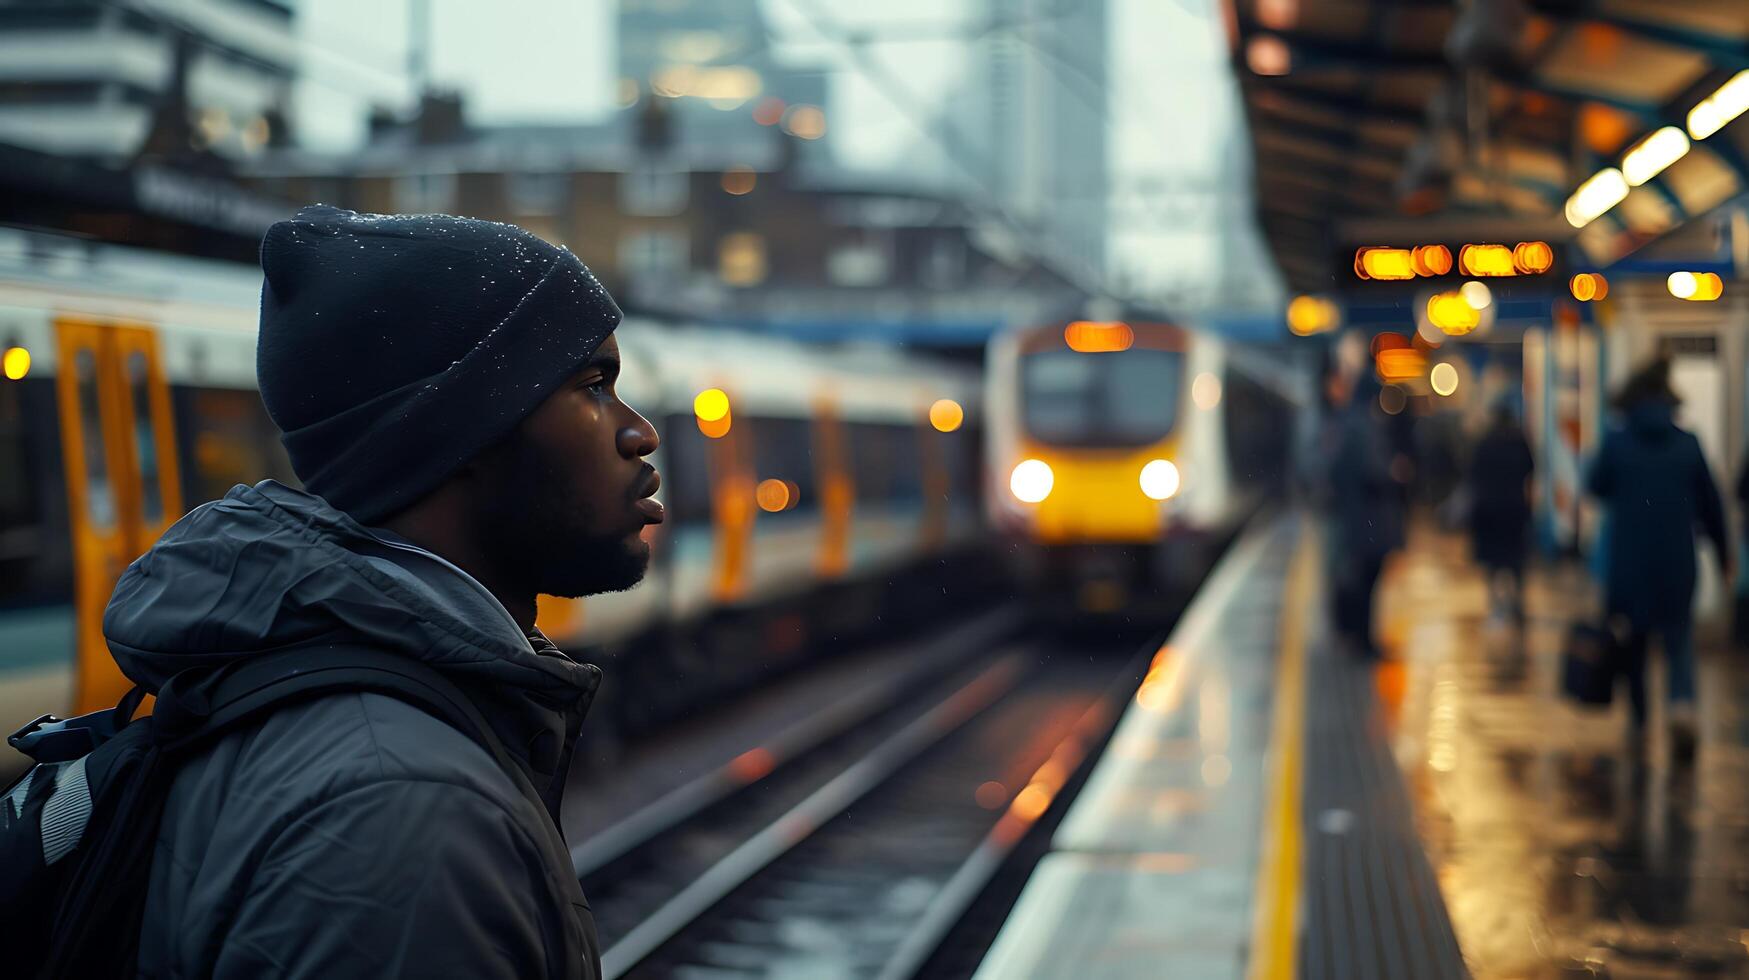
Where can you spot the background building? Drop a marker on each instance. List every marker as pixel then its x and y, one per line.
pixel 111 80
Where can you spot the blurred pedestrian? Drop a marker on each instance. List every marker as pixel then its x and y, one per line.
pixel 1656 491
pixel 1364 505
pixel 445 387
pixel 1498 483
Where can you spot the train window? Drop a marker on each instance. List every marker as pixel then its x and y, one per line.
pixel 226 439
pixel 1117 399
pixel 145 438
pixel 886 462
pixel 99 491
pixel 686 488
pixel 35 550
pixel 959 459
pixel 784 450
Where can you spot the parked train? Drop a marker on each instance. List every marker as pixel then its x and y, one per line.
pixel 808 492
pixel 1120 455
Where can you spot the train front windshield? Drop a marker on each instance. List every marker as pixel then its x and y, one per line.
pixel 1127 398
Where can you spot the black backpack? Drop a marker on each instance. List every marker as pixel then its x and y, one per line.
pixel 77 832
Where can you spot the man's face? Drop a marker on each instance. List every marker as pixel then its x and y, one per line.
pixel 565 498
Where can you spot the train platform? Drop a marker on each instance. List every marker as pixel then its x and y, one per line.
pixel 1559 852
pixel 1268 807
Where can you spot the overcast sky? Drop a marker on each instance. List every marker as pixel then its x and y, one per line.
pixel 1172 114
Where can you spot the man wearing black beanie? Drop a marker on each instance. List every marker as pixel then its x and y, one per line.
pixel 445 389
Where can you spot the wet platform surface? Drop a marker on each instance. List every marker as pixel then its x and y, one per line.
pixel 1155 870
pixel 1557 853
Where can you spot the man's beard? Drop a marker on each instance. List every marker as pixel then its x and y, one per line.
pixel 548 527
pixel 599 565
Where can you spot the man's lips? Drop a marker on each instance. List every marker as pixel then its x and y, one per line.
pixel 647 504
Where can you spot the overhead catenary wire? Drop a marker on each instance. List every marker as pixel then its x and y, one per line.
pixel 948 139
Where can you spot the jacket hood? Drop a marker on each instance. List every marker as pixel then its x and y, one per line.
pixel 271 568
pixel 1652 419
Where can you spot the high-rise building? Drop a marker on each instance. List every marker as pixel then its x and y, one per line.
pixel 1034 132
pixel 102 79
pixel 711 62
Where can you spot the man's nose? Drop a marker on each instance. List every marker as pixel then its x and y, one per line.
pixel 638 439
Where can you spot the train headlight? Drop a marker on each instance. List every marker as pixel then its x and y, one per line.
pixel 1031 481
pixel 1160 479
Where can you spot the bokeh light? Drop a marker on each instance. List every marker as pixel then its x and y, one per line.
pixel 1533 258
pixel 1487 260
pixel 991 795
pixel 15 363
pixel 711 404
pixel 1092 337
pixel 1589 287
pixel 1431 260
pixel 806 122
pixel 773 495
pixel 1452 314
pixel 1267 54
pixel 769 111
pixel 739 180
pixel 1205 391
pixel 1160 479
pixel 1443 379
pixel 1031 481
pixel 946 415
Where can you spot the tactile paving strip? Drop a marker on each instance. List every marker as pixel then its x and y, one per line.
pixel 1372 905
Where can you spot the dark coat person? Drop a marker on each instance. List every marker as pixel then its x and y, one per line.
pixel 1498 478
pixel 1365 509
pixel 1656 489
pixel 445 390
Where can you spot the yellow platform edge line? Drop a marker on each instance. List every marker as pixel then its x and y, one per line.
pixel 1275 918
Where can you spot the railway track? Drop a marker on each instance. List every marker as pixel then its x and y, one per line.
pixel 859 857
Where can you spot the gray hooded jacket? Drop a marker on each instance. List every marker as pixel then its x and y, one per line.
pixel 352 835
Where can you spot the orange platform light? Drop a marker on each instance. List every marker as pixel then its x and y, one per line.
pixel 1379 262
pixel 1388 340
pixel 1486 261
pixel 1589 287
pixel 1696 287
pixel 1452 314
pixel 1094 337
pixel 1431 260
pixel 1533 258
pixel 1308 315
pixel 1400 364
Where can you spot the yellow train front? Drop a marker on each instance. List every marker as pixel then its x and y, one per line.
pixel 1106 456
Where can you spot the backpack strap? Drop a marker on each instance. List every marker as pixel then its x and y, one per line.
pixel 199 706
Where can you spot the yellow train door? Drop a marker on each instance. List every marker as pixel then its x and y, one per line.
pixel 123 489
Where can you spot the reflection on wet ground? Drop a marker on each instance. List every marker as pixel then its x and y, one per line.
pixel 1560 854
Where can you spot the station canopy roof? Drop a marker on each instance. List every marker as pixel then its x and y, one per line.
pixel 1384 122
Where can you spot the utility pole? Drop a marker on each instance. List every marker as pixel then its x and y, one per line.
pixel 419 46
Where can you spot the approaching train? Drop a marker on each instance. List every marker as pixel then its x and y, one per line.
pixel 809 492
pixel 1120 455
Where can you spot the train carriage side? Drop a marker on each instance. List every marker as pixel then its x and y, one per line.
pixel 132 400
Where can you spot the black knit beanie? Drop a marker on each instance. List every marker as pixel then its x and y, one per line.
pixel 394 348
